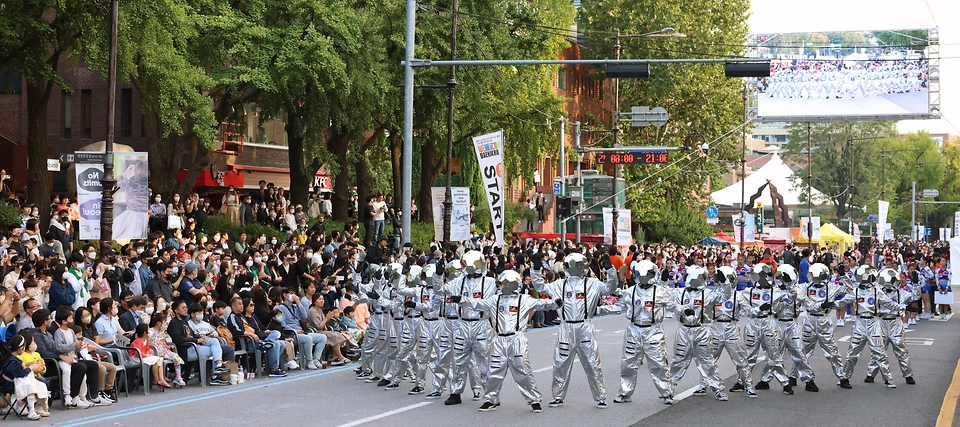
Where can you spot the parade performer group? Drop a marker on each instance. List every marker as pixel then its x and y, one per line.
pixel 462 324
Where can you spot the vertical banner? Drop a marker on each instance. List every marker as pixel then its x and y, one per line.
pixel 944 234
pixel 89 193
pixel 624 230
pixel 459 219
pixel 130 203
pixel 490 156
pixel 805 232
pixel 883 208
pixel 856 233
pixel 956 223
pixel 888 231
pixel 750 232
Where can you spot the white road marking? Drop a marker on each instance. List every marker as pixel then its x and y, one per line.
pixel 918 341
pixel 545 369
pixel 844 338
pixel 618 332
pixel 384 415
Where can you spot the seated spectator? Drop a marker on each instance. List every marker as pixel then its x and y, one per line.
pixel 83 318
pixel 73 372
pixel 311 344
pixel 100 387
pixel 20 377
pixel 108 326
pixel 209 346
pixel 134 316
pixel 155 362
pixel 159 341
pixel 242 322
pixel 30 306
pixel 317 319
pixel 108 371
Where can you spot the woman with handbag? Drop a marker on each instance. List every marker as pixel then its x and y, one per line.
pixel 317 320
pixel 175 213
pixel 229 206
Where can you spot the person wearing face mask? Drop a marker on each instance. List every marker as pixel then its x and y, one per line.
pixel 108 325
pixel 201 214
pixel 229 205
pixel 175 211
pixel 190 288
pixel 310 344
pixel 241 245
pixel 134 316
pixel 30 306
pixel 186 328
pixel 165 282
pixel 77 276
pixel 158 214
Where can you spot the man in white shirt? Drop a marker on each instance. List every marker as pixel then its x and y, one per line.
pixel 379 209
pixel 10 280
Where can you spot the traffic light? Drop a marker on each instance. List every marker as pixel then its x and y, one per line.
pixel 563 206
pixel 759 217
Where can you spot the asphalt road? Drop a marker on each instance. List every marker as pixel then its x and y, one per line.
pixel 332 397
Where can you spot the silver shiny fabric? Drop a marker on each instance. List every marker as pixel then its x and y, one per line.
pixel 786 309
pixel 761 331
pixel 818 326
pixel 509 314
pixel 471 331
pixel 724 307
pixel 576 334
pixel 891 325
pixel 868 302
pixel 693 339
pixel 644 337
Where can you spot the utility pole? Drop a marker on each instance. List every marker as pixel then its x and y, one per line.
pixel 452 87
pixel 809 185
pixel 407 184
pixel 913 211
pixel 109 181
pixel 616 143
pixel 576 147
pixel 743 171
pixel 563 180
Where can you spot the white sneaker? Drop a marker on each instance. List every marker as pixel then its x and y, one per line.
pixel 79 403
pixel 924 316
pixel 311 365
pixel 669 315
pixel 943 317
pixel 291 365
pixel 840 323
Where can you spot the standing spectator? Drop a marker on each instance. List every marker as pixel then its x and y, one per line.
pixel 313 205
pixel 246 211
pixel 229 205
pixel 201 215
pixel 326 206
pixel 379 217
pixel 414 212
pixel 540 202
pixel 176 210
pixel 50 243
pixel 61 230
pixel 4 182
pixel 158 214
pixel 368 214
pixel 261 194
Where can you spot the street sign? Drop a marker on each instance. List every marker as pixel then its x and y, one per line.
pixel 713 221
pixel 556 188
pixel 644 116
pixel 873 218
pixel 633 158
pixel 930 193
pixel 53 165
pixel 713 212
pixel 94 158
pixel 588 217
pixel 576 193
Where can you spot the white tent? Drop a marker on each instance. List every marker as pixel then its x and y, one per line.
pixel 954 260
pixel 778 173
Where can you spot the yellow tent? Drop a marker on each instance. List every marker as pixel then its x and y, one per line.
pixel 831 237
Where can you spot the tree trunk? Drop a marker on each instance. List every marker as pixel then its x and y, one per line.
pixel 38 184
pixel 396 154
pixel 430 163
pixel 362 177
pixel 300 179
pixel 166 157
pixel 338 145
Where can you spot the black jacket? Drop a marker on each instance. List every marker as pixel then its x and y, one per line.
pixel 45 344
pixel 128 322
pixel 177 329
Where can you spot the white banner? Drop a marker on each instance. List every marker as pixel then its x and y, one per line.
pixel 888 231
pixel 460 218
pixel 624 234
pixel 749 232
pixel 489 149
pixel 883 208
pixel 956 223
pixel 805 231
pixel 130 202
pixel 856 233
pixel 944 234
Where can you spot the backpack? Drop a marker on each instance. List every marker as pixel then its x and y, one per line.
pixel 227 336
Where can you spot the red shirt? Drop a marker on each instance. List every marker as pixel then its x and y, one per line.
pixel 141 345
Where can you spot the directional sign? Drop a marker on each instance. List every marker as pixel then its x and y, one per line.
pixel 94 158
pixel 644 116
pixel 930 193
pixel 873 218
pixel 713 212
pixel 556 188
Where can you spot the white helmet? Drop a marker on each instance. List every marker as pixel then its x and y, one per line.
pixel 575 265
pixel 762 275
pixel 787 274
pixel 452 269
pixel 818 273
pixel 413 275
pixel 889 278
pixel 510 282
pixel 696 277
pixel 865 275
pixel 644 273
pixel 473 263
pixel 394 271
pixel 725 275
pixel 429 270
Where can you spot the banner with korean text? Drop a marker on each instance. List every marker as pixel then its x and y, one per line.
pixel 490 156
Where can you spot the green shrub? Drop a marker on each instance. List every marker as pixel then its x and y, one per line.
pixel 9 216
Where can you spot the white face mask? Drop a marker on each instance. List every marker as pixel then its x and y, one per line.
pixel 231 281
pixel 216 238
pixel 157 199
pixel 308 255
pixel 209 304
pixel 92 255
pixel 292 298
pixel 273 242
pixel 139 251
pixel 258 260
pixel 149 310
pixel 249 263
pixel 176 199
pixel 162 305
pixel 198 317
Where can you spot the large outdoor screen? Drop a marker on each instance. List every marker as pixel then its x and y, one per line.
pixel 852 75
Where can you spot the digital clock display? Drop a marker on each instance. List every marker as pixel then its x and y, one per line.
pixel 648 158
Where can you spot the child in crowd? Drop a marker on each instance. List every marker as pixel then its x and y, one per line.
pixel 158 339
pixel 23 379
pixel 142 343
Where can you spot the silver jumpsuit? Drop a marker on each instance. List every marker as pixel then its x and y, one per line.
pixel 415 347
pixel 575 336
pixel 471 330
pixel 868 302
pixel 693 340
pixel 761 331
pixel 818 327
pixel 644 337
pixel 787 300
pixel 401 338
pixel 892 327
pixel 725 306
pixel 508 347
pixel 376 341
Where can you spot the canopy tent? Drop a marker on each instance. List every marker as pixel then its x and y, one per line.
pixel 724 236
pixel 775 243
pixel 831 236
pixel 713 241
pixel 779 174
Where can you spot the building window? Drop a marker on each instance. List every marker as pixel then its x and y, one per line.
pixel 67 112
pixel 562 78
pixel 126 115
pixel 781 138
pixel 86 112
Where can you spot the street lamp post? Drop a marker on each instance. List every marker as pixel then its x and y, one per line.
pixel 109 181
pixel 452 87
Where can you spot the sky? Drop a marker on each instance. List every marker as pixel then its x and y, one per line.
pixel 779 16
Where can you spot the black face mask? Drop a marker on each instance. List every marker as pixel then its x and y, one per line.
pixel 171 277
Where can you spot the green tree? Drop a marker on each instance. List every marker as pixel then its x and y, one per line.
pixel 698 98
pixel 35 36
